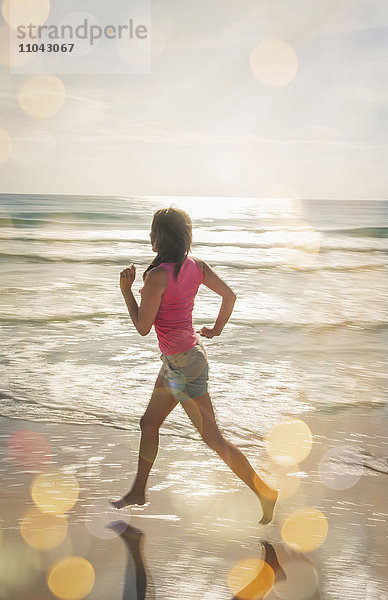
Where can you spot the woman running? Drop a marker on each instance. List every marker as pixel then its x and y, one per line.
pixel 171 283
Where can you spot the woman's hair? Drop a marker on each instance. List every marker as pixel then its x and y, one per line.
pixel 171 233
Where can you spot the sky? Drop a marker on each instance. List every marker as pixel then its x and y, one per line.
pixel 245 98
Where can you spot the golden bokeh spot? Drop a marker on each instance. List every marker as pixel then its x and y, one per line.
pixel 42 96
pixel 305 529
pixel 5 145
pixel 29 450
pixel 284 479
pixel 289 442
pixel 274 63
pixel 71 578
pixel 55 492
pixel 43 531
pixel 25 12
pixel 251 578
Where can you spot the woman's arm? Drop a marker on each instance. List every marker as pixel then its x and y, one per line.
pixel 143 316
pixel 217 285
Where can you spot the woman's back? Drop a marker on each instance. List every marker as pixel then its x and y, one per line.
pixel 173 323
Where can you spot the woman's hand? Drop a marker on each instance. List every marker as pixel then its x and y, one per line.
pixel 127 277
pixel 209 332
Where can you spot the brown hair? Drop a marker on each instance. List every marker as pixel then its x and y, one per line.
pixel 171 233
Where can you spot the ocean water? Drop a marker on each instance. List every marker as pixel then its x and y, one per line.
pixel 308 333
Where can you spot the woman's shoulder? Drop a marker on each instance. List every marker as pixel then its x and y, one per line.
pixel 199 262
pixel 157 276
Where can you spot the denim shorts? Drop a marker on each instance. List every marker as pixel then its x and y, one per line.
pixel 186 374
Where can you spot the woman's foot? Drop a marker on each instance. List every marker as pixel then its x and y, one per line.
pixel 268 501
pixel 126 531
pixel 128 500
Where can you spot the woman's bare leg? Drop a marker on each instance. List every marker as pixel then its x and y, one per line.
pixel 201 414
pixel 162 402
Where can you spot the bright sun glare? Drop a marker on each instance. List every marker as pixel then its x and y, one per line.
pixel 232 207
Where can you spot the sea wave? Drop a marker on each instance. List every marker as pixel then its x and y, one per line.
pixel 65 318
pixel 373 232
pixel 71 240
pixel 98 218
pixel 67 218
pixel 249 322
pixel 120 260
pixel 324 245
pixel 101 417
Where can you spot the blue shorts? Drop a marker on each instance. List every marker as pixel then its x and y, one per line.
pixel 186 374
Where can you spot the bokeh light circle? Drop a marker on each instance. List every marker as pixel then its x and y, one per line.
pixel 55 492
pixel 43 531
pixel 341 467
pixel 71 578
pixel 29 449
pixel 42 96
pixel 175 380
pixel 301 581
pixel 5 145
pixel 99 516
pixel 305 529
pixel 251 578
pixel 83 45
pixel 25 12
pixel 288 442
pixel 274 62
pixel 285 479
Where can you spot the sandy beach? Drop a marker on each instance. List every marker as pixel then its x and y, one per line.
pixel 200 527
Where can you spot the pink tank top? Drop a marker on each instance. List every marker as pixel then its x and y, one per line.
pixel 173 323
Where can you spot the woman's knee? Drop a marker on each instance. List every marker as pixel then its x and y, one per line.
pixel 149 423
pixel 214 439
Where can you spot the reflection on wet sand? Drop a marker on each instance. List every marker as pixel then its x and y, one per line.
pixel 292 578
pixel 290 575
pixel 137 581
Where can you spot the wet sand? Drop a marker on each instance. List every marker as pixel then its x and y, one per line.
pixel 201 521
